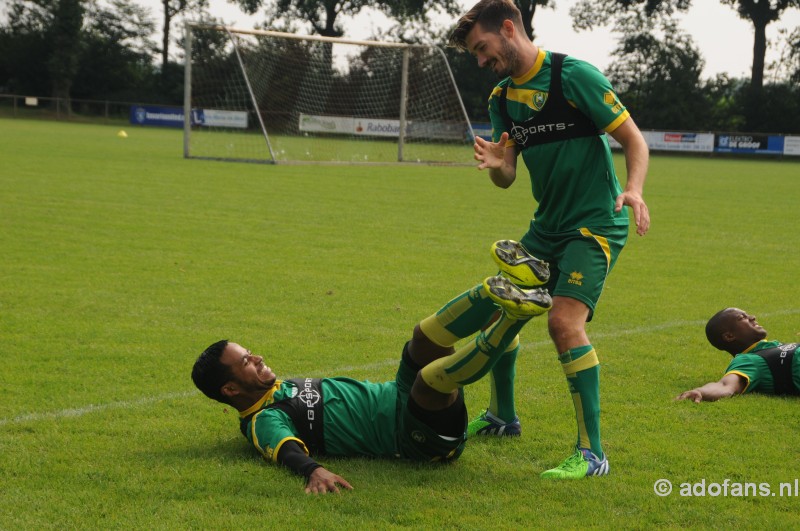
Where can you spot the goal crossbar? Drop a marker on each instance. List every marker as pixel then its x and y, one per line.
pixel 343 108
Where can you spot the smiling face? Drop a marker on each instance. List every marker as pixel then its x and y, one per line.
pixel 743 326
pixel 495 50
pixel 734 330
pixel 250 376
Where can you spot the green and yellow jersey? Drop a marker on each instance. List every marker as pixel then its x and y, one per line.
pixel 359 418
pixel 754 368
pixel 573 181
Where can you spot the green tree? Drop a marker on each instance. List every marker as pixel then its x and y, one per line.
pixel 657 72
pixel 45 37
pixel 760 13
pixel 117 50
pixel 64 32
pixel 171 9
pixel 86 49
pixel 24 50
pixel 324 15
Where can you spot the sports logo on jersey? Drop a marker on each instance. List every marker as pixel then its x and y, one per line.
pixel 520 133
pixel 418 436
pixel 610 99
pixel 576 278
pixel 309 396
pixel 539 99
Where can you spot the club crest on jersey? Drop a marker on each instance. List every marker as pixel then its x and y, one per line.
pixel 539 99
pixel 610 99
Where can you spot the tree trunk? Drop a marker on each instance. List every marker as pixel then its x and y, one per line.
pixel 528 9
pixel 759 52
pixel 165 37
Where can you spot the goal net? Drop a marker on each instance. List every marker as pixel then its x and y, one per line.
pixel 275 97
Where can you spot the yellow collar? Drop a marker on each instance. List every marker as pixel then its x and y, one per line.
pixel 267 398
pixel 527 76
pixel 751 347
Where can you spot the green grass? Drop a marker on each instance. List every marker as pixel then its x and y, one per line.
pixel 121 261
pixel 232 144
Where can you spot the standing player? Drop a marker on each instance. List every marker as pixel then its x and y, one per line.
pixel 554 110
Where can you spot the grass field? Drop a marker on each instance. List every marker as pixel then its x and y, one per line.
pixel 121 261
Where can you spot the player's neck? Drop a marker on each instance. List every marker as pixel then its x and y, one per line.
pixel 529 53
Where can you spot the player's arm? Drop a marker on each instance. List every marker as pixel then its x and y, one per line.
pixel 498 158
pixel 731 384
pixel 318 479
pixel 637 157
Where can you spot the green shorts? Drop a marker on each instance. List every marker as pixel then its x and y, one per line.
pixel 415 439
pixel 580 260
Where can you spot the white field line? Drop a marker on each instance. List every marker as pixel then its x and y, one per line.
pixel 128 404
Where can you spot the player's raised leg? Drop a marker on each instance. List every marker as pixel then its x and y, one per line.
pixel 474 360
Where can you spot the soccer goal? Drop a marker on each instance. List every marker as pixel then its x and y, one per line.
pixel 265 96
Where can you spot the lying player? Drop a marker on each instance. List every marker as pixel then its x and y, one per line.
pixel 758 365
pixel 419 416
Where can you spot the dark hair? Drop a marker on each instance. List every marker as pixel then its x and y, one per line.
pixel 209 374
pixel 715 327
pixel 490 14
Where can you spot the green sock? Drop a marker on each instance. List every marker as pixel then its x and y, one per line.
pixel 502 377
pixel 582 369
pixel 461 317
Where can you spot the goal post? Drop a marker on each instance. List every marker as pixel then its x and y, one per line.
pixel 273 97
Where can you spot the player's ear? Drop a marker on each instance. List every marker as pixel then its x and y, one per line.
pixel 230 389
pixel 508 29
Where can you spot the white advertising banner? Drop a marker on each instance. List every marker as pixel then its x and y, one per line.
pixel 217 118
pixel 369 127
pixel 668 141
pixel 347 125
pixel 791 145
pixel 327 124
pixel 672 141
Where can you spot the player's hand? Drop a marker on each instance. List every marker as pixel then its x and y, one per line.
pixel 324 481
pixel 490 154
pixel 694 395
pixel 641 214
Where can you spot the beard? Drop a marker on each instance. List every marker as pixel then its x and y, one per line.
pixel 510 59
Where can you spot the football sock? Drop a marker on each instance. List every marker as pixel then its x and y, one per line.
pixel 582 369
pixel 472 361
pixel 502 377
pixel 459 318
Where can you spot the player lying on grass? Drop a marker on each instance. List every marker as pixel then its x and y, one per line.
pixel 758 365
pixel 419 416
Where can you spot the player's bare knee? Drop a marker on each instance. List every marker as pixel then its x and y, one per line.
pixel 428 397
pixel 565 331
pixel 423 351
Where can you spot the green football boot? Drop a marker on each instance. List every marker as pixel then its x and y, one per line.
pixel 583 463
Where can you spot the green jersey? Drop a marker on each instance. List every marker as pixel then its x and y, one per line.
pixel 359 418
pixel 753 368
pixel 573 181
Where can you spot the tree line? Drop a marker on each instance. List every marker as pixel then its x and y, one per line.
pixel 107 50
